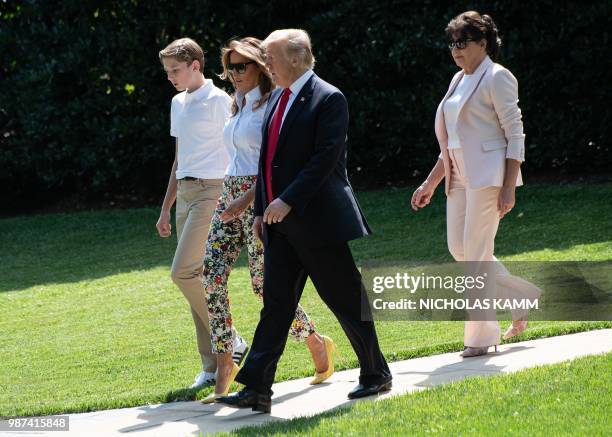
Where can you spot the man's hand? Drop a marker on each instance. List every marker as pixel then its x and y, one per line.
pixel 258 227
pixel 164 228
pixel 276 212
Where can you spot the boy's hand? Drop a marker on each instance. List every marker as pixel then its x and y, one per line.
pixel 164 228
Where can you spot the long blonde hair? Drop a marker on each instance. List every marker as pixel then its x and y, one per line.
pixel 251 49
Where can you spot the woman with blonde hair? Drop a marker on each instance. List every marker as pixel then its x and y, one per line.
pixel 231 226
pixel 480 133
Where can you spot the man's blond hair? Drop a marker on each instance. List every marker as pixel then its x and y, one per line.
pixel 297 44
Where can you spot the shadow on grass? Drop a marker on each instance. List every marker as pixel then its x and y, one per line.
pixel 182 394
pixel 67 248
pixel 544 217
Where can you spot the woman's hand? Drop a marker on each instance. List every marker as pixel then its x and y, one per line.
pixel 422 196
pixel 234 209
pixel 505 201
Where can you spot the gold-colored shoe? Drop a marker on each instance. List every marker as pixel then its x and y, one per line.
pixel 214 395
pixel 330 349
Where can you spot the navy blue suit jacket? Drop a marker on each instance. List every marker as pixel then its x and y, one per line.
pixel 309 168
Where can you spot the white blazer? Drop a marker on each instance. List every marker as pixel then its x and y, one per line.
pixel 489 126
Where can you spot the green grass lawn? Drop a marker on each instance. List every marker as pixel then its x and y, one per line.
pixel 569 398
pixel 91 320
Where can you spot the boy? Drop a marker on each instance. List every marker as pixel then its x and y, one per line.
pixel 197 117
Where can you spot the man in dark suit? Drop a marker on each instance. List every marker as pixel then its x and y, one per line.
pixel 306 212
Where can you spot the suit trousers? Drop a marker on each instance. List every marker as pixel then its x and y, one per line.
pixel 195 205
pixel 472 220
pixel 288 263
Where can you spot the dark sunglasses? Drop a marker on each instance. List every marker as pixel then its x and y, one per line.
pixel 239 67
pixel 459 44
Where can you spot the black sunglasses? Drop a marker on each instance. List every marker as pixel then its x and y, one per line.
pixel 239 67
pixel 460 43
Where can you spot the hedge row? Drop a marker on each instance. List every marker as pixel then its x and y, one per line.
pixel 84 101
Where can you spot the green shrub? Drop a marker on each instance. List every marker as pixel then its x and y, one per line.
pixel 84 105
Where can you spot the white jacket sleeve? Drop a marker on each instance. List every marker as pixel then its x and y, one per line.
pixel 504 93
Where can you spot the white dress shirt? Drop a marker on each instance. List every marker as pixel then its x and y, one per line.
pixel 196 120
pixel 295 88
pixel 242 135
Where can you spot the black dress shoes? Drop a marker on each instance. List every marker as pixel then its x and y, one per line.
pixel 363 390
pixel 247 397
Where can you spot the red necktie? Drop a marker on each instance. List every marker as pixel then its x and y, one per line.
pixel 273 133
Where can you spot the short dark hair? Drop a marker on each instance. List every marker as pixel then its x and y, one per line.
pixel 472 25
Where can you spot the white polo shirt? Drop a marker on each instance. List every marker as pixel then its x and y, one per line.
pixel 242 135
pixel 196 120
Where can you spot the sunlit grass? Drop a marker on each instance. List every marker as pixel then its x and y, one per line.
pixel 90 319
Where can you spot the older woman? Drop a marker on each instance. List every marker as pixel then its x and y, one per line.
pixel 232 224
pixel 480 133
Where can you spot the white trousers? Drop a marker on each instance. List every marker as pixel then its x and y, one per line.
pixel 472 220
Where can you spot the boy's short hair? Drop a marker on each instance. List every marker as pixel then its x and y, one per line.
pixel 184 50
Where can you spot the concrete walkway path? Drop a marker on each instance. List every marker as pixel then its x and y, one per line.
pixel 297 398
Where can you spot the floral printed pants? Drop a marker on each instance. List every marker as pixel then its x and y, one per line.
pixel 222 249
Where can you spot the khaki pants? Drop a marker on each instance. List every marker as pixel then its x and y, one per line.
pixel 472 220
pixel 195 205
